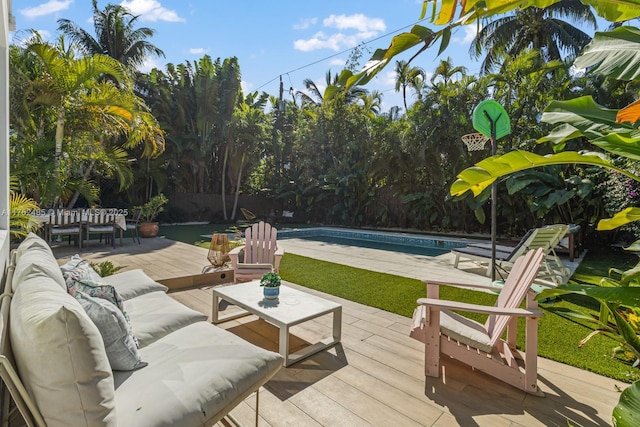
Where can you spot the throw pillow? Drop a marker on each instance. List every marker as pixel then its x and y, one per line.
pixel 81 277
pixel 119 344
pixel 77 262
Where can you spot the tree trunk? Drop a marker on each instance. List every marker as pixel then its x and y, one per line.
pixel 85 177
pixel 58 151
pixel 235 201
pixel 59 138
pixel 224 182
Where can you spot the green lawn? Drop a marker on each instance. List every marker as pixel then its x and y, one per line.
pixel 558 336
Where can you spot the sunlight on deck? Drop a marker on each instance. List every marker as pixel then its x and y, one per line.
pixel 375 376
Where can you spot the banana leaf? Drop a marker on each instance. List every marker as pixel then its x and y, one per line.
pixel 626 296
pixel 627 411
pixel 613 53
pixel 621 218
pixel 484 173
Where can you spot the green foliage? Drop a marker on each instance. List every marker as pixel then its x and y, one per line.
pixel 21 207
pixel 270 280
pixel 627 411
pixel 105 268
pixel 150 210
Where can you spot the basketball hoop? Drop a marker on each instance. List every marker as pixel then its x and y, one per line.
pixel 474 141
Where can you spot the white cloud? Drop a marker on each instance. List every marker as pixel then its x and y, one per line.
pixel 52 6
pixel 389 79
pixel 470 32
pixel 320 40
pixel 305 23
pixel 365 28
pixel 338 62
pixel 358 22
pixel 151 10
pixel 149 64
pixel 197 50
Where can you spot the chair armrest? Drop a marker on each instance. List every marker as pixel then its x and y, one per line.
pixel 233 256
pixel 276 261
pixel 235 251
pixel 456 305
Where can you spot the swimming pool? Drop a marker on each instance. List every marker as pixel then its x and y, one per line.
pixel 415 244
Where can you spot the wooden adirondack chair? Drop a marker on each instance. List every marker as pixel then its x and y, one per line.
pixel 261 253
pixel 482 347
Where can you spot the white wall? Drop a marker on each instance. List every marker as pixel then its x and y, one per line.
pixel 4 115
pixel 5 11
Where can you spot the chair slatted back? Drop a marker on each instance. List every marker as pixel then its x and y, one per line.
pixel 260 244
pixel 65 218
pixel 515 289
pixel 546 238
pixel 100 218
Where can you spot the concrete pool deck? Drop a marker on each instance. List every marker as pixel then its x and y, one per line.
pixel 419 267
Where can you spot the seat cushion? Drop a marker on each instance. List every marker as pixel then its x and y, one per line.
pixel 34 254
pixel 466 331
pixel 197 372
pixel 119 343
pixel 133 283
pixel 60 356
pixel 156 314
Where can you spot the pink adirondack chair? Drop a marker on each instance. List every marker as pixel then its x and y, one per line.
pixel 261 253
pixel 482 347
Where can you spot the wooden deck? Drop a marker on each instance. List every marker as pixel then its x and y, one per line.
pixel 375 376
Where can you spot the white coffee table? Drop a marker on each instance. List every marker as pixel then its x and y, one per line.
pixel 291 308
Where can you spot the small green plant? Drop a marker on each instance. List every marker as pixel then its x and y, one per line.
pixel 105 268
pixel 150 210
pixel 270 280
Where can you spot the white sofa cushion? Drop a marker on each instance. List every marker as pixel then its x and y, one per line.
pixel 156 314
pixel 133 283
pixel 35 251
pixel 60 356
pixel 196 372
pixel 119 344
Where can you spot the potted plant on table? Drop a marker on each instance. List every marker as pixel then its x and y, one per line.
pixel 148 213
pixel 271 285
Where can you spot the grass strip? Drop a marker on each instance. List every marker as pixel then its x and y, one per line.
pixel 558 336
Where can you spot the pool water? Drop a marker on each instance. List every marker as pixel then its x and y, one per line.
pixel 415 244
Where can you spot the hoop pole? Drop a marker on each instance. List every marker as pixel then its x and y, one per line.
pixel 494 200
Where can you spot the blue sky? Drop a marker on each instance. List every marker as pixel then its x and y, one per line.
pixel 269 38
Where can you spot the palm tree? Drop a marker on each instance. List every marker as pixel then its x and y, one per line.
pixel 407 76
pixel 445 70
pixel 116 36
pixel 80 99
pixel 317 97
pixel 540 29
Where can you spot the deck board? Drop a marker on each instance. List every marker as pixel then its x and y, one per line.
pixel 375 376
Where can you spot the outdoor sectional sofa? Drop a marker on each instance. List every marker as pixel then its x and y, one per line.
pixel 55 365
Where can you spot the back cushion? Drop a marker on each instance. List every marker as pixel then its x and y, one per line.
pixel 60 356
pixel 34 254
